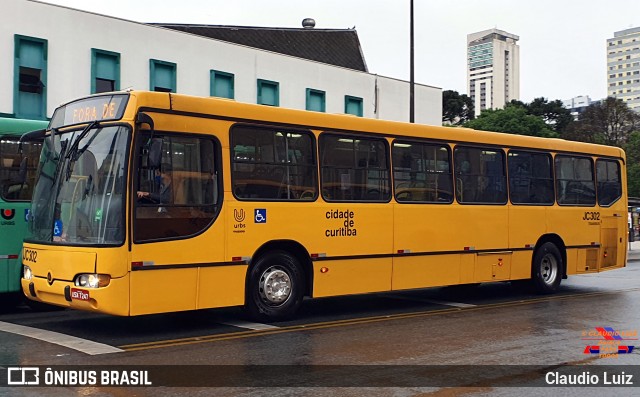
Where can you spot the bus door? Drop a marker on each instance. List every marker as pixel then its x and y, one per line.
pixel 177 247
pixel 613 226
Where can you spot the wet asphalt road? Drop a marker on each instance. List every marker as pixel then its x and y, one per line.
pixel 491 326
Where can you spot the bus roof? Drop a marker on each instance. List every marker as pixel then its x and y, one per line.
pixel 20 126
pixel 230 109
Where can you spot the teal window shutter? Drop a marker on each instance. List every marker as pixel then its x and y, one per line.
pixel 222 84
pixel 105 71
pixel 316 100
pixel 30 78
pixel 268 93
pixel 163 76
pixel 353 105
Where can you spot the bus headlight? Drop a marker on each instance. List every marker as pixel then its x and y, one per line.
pixel 92 280
pixel 26 272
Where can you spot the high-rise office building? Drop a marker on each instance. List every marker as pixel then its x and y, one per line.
pixel 623 67
pixel 493 69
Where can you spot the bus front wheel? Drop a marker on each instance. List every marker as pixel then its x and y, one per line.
pixel 546 273
pixel 274 288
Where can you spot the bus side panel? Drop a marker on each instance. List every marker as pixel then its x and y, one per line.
pixel 13 227
pixel 582 260
pixel 221 286
pixel 570 224
pixel 493 266
pixel 354 276
pixel 521 265
pixel 614 238
pixel 163 290
pixel 526 225
pixel 573 257
pixel 610 240
pixel 14 273
pixel 429 229
pixel 4 275
pixel 426 271
pixel 358 236
pixel 175 289
pixel 424 230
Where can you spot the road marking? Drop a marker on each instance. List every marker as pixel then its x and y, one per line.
pixel 357 321
pixel 425 300
pixel 248 325
pixel 71 342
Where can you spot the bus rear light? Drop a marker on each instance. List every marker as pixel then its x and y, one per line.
pixel 26 273
pixel 92 280
pixel 324 270
pixel 13 256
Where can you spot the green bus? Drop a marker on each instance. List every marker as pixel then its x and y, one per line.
pixel 15 197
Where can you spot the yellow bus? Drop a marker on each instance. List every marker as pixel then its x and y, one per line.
pixel 153 202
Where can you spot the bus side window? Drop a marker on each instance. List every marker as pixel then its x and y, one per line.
pixel 187 173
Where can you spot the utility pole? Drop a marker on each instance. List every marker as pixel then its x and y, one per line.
pixel 411 62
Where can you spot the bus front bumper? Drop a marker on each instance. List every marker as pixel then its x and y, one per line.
pixel 112 299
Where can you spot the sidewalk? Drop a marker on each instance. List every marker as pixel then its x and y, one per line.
pixel 633 254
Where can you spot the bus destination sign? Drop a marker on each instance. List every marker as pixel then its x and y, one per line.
pixel 101 108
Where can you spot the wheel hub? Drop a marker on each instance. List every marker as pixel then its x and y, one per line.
pixel 549 269
pixel 275 286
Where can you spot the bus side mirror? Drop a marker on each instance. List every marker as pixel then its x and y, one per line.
pixel 153 148
pixel 155 153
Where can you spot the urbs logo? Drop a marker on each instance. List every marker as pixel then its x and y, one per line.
pixel 8 214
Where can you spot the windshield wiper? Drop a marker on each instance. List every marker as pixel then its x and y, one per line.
pixel 55 157
pixel 76 143
pixel 73 154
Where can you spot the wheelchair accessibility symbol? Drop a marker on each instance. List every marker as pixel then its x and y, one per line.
pixel 261 216
pixel 57 228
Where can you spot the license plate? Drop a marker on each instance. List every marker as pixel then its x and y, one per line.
pixel 79 294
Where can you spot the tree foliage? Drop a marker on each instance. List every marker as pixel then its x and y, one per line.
pixel 632 149
pixel 513 119
pixel 553 113
pixel 541 117
pixel 609 122
pixel 456 108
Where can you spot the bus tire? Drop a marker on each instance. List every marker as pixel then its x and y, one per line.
pixel 547 268
pixel 275 287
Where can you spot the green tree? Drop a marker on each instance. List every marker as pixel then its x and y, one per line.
pixel 456 108
pixel 553 113
pixel 609 122
pixel 632 149
pixel 513 119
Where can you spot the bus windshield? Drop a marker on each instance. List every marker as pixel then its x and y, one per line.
pixel 79 195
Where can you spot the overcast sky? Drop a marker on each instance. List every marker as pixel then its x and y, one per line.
pixel 562 42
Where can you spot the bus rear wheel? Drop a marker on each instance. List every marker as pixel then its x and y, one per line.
pixel 546 273
pixel 275 287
